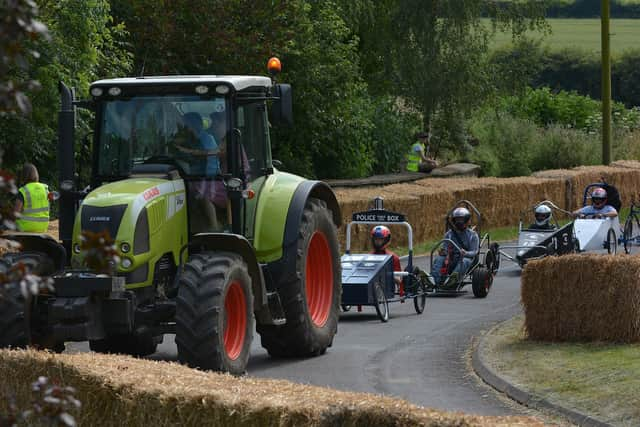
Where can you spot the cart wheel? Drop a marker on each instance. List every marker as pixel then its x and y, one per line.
pixel 490 261
pixel 345 308
pixel 611 244
pixel 481 282
pixel 627 235
pixel 420 300
pixel 382 305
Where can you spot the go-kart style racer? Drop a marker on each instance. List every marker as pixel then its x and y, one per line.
pixel 380 239
pixel 598 208
pixel 542 214
pixel 449 257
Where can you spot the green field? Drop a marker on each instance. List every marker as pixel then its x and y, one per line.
pixel 583 33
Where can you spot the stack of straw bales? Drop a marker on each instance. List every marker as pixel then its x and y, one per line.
pixel 500 200
pixel 582 298
pixel 119 390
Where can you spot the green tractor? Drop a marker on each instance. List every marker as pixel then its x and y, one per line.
pixel 209 234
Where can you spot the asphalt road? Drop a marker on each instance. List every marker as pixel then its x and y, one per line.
pixel 421 358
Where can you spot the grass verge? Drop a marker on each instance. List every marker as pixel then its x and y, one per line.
pixel 602 380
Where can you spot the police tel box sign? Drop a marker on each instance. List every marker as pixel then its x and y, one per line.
pixel 378 216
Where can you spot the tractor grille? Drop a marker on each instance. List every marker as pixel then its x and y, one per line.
pixel 97 219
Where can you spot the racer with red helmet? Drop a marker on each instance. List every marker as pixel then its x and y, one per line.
pixel 542 214
pixel 380 239
pixel 468 242
pixel 598 208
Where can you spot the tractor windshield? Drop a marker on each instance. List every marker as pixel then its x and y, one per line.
pixel 188 131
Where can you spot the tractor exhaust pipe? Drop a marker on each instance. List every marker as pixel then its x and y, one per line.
pixel 66 165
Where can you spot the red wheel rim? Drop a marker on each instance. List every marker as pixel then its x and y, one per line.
pixel 235 324
pixel 319 279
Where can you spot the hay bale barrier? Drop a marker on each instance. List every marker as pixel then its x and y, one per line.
pixel 582 298
pixel 500 200
pixel 120 390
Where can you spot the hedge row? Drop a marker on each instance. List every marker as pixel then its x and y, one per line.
pixel 572 70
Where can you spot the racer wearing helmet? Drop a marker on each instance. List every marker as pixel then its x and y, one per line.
pixel 380 239
pixel 598 208
pixel 542 214
pixel 457 262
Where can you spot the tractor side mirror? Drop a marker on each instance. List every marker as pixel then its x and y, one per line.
pixel 281 112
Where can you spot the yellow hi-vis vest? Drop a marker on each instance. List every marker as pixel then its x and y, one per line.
pixel 35 213
pixel 413 157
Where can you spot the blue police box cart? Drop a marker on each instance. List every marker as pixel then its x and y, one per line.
pixel 368 279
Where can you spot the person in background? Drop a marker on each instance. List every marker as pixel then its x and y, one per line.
pixel 380 239
pixel 418 159
pixel 468 242
pixel 598 208
pixel 542 214
pixel 32 203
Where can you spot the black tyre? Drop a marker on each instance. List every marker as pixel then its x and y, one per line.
pixel 481 282
pixel 19 326
pixel 133 345
pixel 494 249
pixel 381 303
pixel 214 313
pixel 311 298
pixel 611 244
pixel 490 261
pixel 14 319
pixel 628 235
pixel 420 300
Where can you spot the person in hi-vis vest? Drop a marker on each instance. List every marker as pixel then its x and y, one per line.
pixel 418 159
pixel 32 204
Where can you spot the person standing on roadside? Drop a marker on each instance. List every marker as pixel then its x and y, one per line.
pixel 32 204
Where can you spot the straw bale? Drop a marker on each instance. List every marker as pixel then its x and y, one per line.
pixel 500 200
pixel 583 297
pixel 119 390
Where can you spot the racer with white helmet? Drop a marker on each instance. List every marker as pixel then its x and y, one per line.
pixel 598 208
pixel 542 214
pixel 468 242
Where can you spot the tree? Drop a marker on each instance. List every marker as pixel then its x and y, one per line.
pixel 433 53
pixel 84 44
pixel 18 29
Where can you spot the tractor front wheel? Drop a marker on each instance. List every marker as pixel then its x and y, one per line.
pixel 311 298
pixel 214 313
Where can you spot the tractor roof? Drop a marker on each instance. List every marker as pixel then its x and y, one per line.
pixel 237 82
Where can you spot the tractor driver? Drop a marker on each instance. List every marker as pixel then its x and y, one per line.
pixel 542 214
pixel 598 208
pixel 380 239
pixel 465 238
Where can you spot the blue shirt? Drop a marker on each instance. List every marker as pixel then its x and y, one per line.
pixel 208 143
pixel 467 239
pixel 592 210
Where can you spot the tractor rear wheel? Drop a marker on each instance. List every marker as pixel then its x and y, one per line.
pixel 214 313
pixel 481 282
pixel 311 299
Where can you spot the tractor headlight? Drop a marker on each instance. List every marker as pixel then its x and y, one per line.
pixel 76 248
pixel 126 262
pixel 125 247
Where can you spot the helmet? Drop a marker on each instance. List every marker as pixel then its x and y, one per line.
pixel 599 197
pixel 380 237
pixel 542 214
pixel 460 218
